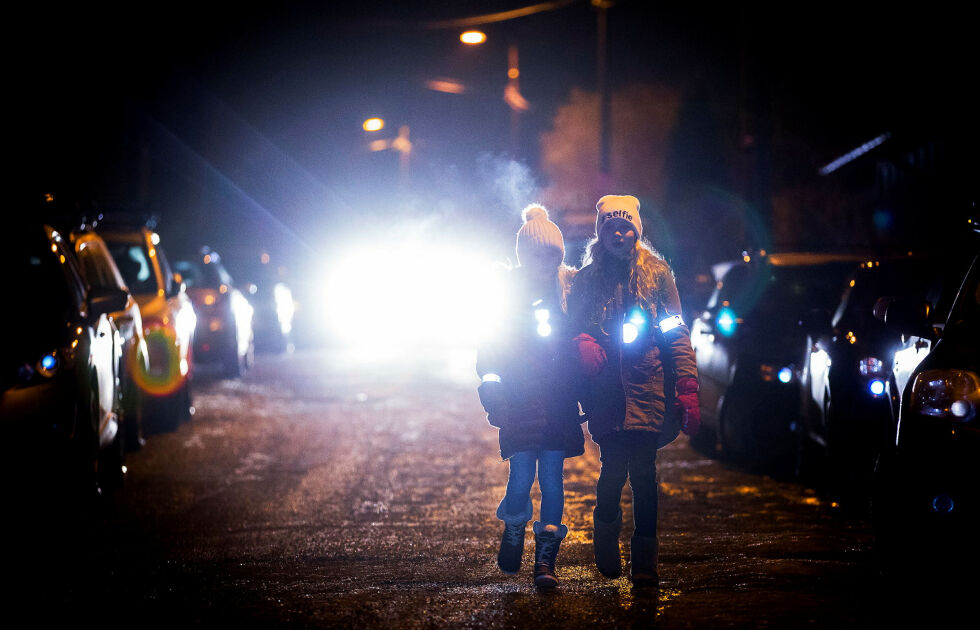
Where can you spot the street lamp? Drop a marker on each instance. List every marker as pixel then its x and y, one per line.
pixel 373 124
pixel 473 38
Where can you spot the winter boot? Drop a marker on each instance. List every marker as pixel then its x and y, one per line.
pixel 512 540
pixel 605 540
pixel 547 539
pixel 643 561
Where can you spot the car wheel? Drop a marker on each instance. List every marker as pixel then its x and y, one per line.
pixel 132 427
pixel 233 365
pixel 732 448
pixel 110 463
pixel 83 458
pixel 886 525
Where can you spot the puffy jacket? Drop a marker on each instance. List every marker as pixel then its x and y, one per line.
pixel 634 391
pixel 538 379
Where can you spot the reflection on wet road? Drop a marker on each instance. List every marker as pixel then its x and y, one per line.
pixel 322 491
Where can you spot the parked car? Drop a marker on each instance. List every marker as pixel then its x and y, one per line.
pixel 749 344
pixel 274 306
pixel 100 272
pixel 59 401
pixel 845 410
pixel 927 503
pixel 273 318
pixel 168 322
pixel 224 316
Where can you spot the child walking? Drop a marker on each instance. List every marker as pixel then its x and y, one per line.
pixel 643 381
pixel 528 397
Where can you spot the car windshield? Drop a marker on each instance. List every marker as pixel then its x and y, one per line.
pixel 778 296
pixel 134 264
pixel 201 276
pixel 899 278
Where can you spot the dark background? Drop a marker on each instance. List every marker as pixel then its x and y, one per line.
pixel 240 127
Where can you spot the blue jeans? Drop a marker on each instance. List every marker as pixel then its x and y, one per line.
pixel 549 466
pixel 632 455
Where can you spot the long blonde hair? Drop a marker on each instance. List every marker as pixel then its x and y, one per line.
pixel 642 287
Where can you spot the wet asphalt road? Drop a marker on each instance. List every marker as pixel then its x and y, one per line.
pixel 322 491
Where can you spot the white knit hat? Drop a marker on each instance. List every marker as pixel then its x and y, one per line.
pixel 538 231
pixel 625 207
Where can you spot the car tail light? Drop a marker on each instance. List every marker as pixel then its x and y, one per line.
pixel 952 395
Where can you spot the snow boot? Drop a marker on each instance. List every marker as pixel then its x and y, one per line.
pixel 512 540
pixel 547 539
pixel 644 551
pixel 605 541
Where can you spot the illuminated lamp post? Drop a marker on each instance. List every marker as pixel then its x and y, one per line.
pixel 473 38
pixel 400 143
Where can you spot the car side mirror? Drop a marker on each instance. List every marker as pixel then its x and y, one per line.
pixel 105 300
pixel 909 317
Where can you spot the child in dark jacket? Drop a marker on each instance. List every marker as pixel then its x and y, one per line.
pixel 643 379
pixel 529 398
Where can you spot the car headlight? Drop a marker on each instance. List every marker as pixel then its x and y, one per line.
pixel 783 374
pixel 952 395
pixel 47 366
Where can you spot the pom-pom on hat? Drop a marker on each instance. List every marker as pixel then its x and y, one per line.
pixel 625 207
pixel 538 231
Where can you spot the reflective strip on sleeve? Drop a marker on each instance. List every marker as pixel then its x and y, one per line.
pixel 670 323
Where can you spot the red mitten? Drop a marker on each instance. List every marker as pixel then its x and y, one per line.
pixel 687 397
pixel 590 354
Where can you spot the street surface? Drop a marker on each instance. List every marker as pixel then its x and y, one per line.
pixel 326 491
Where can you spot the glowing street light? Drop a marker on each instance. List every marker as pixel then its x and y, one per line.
pixel 473 38
pixel 373 124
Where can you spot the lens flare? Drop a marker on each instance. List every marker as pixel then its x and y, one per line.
pixel 163 376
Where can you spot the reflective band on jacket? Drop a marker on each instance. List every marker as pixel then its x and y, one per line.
pixel 670 323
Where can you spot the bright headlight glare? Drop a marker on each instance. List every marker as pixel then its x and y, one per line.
pixel 952 395
pixel 285 308
pixel 446 295
pixel 544 329
pixel 542 315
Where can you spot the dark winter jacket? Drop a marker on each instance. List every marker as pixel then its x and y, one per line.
pixel 634 391
pixel 537 375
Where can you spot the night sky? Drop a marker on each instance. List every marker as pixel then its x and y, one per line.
pixel 244 124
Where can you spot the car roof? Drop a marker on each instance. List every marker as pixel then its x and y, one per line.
pixel 795 259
